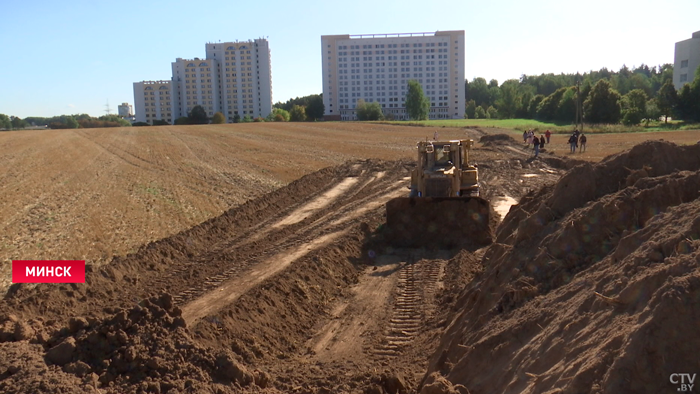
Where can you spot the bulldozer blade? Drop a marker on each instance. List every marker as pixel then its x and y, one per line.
pixel 438 222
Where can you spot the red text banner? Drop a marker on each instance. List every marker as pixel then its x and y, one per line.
pixel 48 271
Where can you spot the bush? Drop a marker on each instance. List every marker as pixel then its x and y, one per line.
pixel 632 116
pixel 218 118
pixel 368 111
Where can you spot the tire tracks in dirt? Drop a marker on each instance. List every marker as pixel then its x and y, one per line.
pixel 286 241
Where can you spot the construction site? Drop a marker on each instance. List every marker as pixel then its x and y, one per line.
pixel 227 261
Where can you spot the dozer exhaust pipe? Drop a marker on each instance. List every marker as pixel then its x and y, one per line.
pixel 438 222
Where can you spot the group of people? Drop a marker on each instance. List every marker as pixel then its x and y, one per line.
pixel 538 143
pixel 577 140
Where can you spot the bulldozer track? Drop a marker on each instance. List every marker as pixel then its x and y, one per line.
pixel 416 286
pixel 244 248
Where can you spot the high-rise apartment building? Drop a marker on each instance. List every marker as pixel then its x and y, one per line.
pixel 195 82
pixel 153 101
pixel 235 79
pixel 245 77
pixel 686 60
pixel 125 110
pixel 377 68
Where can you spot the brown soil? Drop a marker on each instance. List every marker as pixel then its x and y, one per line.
pixel 590 285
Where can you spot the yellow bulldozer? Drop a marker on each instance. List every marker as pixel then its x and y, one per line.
pixel 443 208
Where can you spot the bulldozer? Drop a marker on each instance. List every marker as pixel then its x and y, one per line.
pixel 443 208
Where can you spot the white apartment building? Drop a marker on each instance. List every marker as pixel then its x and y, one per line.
pixel 125 110
pixel 377 68
pixel 152 100
pixel 245 77
pixel 195 82
pixel 235 78
pixel 686 60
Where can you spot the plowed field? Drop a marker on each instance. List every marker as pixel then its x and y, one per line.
pixel 250 258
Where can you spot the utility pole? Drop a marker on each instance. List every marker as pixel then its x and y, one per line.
pixel 107 109
pixel 579 109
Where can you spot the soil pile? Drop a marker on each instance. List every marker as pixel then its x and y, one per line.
pixel 143 349
pixel 592 284
pixel 173 264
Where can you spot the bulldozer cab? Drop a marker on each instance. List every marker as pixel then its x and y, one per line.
pixel 443 154
pixel 443 207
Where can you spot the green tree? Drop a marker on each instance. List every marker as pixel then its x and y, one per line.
pixel 635 98
pixel 297 114
pixel 198 115
pixel 160 122
pixel 547 109
pixel 183 120
pixel 480 113
pixel 509 100
pixel 603 104
pixel 470 109
pixel 278 115
pixel 315 107
pixel 5 122
pixel 492 112
pixel 246 119
pixel 634 105
pixel 417 105
pixel 667 99
pixel 218 118
pixel 479 92
pixel 368 111
pixel 566 110
pixel 236 118
pixel 18 123
pixel 652 111
pixel 534 103
pixel 71 123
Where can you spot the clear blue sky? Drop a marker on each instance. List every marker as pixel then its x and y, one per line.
pixel 66 57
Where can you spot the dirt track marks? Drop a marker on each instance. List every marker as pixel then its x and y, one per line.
pixel 286 237
pixel 213 301
pixel 356 317
pixel 417 283
pixel 318 203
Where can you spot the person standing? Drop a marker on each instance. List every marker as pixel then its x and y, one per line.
pixel 541 141
pixel 547 134
pixel 582 139
pixel 530 135
pixel 536 141
pixel 572 142
pixel 525 136
pixel 435 136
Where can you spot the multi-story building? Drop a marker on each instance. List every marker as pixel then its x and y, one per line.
pixel 125 110
pixel 686 60
pixel 244 77
pixel 152 100
pixel 195 82
pixel 235 79
pixel 377 68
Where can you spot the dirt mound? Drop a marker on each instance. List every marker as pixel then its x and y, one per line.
pixel 592 284
pixel 174 263
pixel 144 349
pixel 497 139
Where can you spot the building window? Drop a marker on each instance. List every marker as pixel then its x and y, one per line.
pixel 684 63
pixel 684 77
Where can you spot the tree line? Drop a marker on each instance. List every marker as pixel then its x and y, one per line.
pixel 630 96
pixel 62 122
